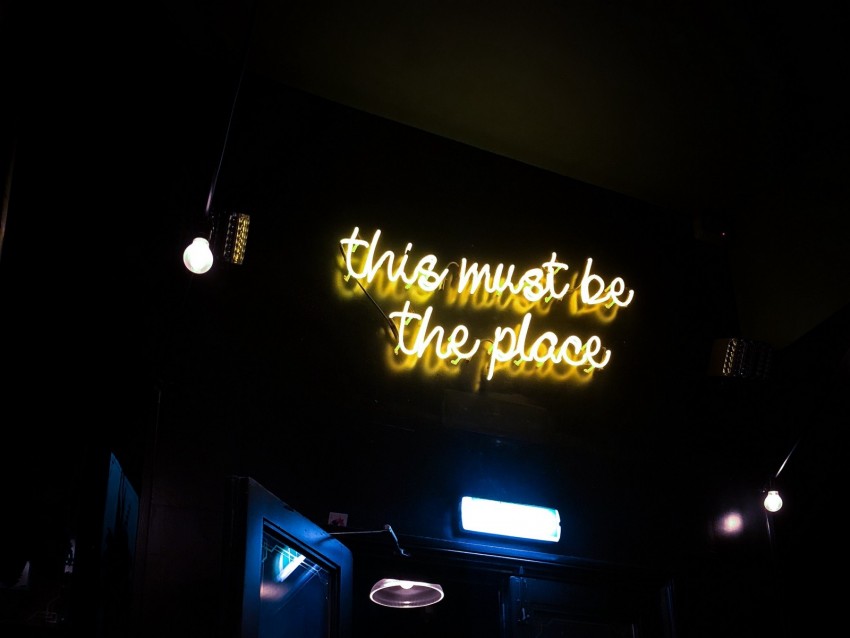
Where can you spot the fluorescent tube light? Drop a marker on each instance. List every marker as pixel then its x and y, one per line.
pixel 510 519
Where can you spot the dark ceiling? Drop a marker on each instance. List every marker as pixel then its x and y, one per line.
pixel 732 113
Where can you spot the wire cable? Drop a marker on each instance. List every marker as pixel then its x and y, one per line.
pixel 245 50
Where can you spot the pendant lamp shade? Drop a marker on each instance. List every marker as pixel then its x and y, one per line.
pixel 405 594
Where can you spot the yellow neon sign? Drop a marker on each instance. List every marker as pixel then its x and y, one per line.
pixel 403 280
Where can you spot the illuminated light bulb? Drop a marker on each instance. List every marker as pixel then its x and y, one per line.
pixel 732 524
pixel 773 502
pixel 198 257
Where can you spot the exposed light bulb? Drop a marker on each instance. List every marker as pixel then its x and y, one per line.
pixel 731 524
pixel 773 502
pixel 198 257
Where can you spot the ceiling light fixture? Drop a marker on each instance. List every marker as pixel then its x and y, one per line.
pixel 398 592
pixel 198 255
pixel 405 594
pixel 773 501
pixel 499 518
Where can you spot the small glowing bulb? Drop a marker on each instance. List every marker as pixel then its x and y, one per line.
pixel 198 257
pixel 406 584
pixel 732 524
pixel 773 502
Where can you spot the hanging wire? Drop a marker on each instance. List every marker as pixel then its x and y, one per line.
pixel 781 467
pixel 389 321
pixel 245 50
pixel 387 528
pixel 7 190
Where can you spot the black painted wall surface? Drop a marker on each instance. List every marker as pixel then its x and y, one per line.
pixel 265 370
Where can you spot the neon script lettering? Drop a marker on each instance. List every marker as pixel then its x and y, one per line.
pixel 534 284
pixel 542 284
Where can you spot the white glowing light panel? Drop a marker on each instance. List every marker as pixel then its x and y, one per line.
pixel 510 519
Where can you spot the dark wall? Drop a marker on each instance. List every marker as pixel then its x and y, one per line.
pixel 266 370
